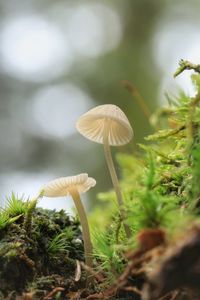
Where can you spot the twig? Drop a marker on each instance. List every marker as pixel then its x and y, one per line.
pixel 132 289
pixel 135 93
pixel 29 262
pixel 130 269
pixel 165 296
pixel 174 295
pixel 122 280
pixel 53 292
pixel 96 275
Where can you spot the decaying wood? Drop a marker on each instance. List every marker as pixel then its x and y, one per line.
pixel 179 269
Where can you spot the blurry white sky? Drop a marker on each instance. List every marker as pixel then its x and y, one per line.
pixel 40 48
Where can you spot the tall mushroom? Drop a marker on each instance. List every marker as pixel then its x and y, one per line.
pixel 74 186
pixel 108 125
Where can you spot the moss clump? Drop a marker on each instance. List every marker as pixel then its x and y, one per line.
pixel 37 259
pixel 160 183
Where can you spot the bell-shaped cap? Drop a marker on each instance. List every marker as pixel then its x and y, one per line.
pixel 105 117
pixel 63 185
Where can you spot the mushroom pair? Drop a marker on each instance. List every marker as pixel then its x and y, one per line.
pixel 108 125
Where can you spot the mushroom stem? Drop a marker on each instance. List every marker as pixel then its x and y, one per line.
pixel 85 227
pixel 114 178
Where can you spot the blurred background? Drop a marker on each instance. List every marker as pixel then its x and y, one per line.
pixel 60 58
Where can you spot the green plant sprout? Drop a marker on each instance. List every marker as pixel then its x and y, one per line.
pixel 74 186
pixel 58 245
pixel 16 205
pixel 30 208
pixel 6 220
pixel 108 255
pixel 108 125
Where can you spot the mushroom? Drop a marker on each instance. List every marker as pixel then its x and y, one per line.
pixel 74 186
pixel 108 125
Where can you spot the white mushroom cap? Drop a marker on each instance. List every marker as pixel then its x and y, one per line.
pixel 92 125
pixel 61 186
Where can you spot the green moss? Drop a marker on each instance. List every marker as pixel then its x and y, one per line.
pixel 160 182
pixel 16 205
pixel 49 248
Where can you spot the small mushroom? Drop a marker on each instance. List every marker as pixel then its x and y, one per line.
pixel 108 125
pixel 74 186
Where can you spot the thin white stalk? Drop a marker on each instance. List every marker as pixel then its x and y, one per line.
pixel 85 227
pixel 114 178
